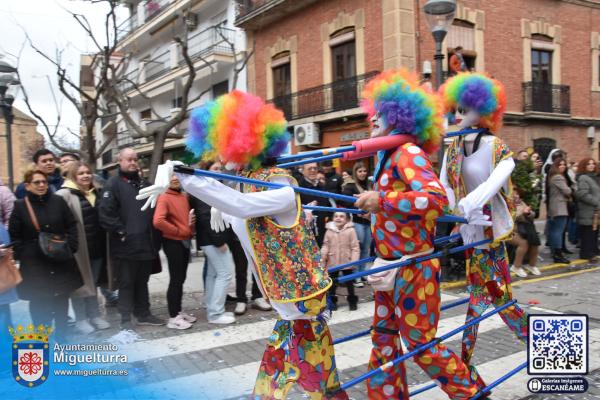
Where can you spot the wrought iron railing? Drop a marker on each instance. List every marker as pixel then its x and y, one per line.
pixel 127 26
pixel 547 98
pixel 245 7
pixel 128 81
pixel 158 65
pixel 339 95
pixel 124 139
pixel 215 38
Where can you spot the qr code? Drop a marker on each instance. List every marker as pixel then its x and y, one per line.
pixel 558 344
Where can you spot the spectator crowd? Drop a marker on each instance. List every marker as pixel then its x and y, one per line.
pixel 110 245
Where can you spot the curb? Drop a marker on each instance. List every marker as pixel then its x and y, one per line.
pixel 463 283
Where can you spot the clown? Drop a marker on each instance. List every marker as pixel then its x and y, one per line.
pixel 476 175
pixel 407 301
pixel 245 134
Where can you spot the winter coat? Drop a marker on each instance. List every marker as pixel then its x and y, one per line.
pixel 333 183
pixel 42 276
pixel 588 198
pixel 132 235
pixel 205 236
pixel 7 200
pixel 351 188
pixel 558 196
pixel 171 216
pixel 89 233
pixel 340 246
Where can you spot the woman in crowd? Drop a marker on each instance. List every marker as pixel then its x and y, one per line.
pixel 219 261
pixel 525 239
pixel 46 283
pixel 174 219
pixel 8 296
pixel 558 195
pixel 588 208
pixel 80 195
pixel 362 222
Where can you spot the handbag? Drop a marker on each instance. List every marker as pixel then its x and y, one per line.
pixel 53 245
pixel 9 273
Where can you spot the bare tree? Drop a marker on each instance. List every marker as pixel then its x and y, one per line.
pixel 113 85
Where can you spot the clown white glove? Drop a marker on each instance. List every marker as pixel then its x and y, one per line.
pixel 217 223
pixel 468 233
pixel 474 216
pixel 161 184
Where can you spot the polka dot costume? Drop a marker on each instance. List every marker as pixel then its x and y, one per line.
pixel 409 187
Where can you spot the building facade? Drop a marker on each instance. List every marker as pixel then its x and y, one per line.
pixel 26 140
pixel 156 70
pixel 312 59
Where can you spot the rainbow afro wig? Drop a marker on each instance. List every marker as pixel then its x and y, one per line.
pixel 405 106
pixel 237 127
pixel 477 92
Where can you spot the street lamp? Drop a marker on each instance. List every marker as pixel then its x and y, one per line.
pixel 8 85
pixel 439 15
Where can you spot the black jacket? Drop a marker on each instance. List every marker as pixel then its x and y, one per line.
pixel 42 276
pixel 333 182
pixel 94 234
pixel 350 189
pixel 205 236
pixel 321 201
pixel 132 235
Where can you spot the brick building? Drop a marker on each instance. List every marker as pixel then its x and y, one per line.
pixel 312 59
pixel 25 141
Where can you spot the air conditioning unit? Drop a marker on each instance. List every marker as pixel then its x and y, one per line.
pixel 191 21
pixel 306 134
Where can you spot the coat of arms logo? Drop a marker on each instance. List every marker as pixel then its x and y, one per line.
pixel 30 354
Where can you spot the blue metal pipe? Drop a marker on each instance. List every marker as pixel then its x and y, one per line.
pixel 499 380
pixel 367 331
pixel 421 390
pixel 419 349
pixel 316 159
pixel 351 264
pixel 438 254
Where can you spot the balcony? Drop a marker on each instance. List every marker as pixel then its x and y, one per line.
pixel 215 39
pixel 336 96
pixel 253 14
pixel 545 100
pixel 146 10
pixel 124 139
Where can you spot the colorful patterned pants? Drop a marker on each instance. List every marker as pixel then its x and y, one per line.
pixel 413 309
pixel 300 351
pixel 489 283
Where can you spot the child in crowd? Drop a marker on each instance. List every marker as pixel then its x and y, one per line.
pixel 340 246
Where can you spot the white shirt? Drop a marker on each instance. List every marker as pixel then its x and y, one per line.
pixel 237 207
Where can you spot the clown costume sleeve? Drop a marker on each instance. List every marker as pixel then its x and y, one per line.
pixel 426 197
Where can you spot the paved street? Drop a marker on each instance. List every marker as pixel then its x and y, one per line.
pixel 209 356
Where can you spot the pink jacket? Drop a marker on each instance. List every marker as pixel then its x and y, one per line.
pixel 7 199
pixel 340 246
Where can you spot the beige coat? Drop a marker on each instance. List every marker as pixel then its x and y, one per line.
pixel 340 246
pixel 81 256
pixel 558 196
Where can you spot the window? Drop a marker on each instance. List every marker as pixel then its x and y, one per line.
pixel 343 57
pixel 177 102
pixel 462 34
pixel 220 88
pixel 543 146
pixel 146 114
pixel 282 80
pixel 541 66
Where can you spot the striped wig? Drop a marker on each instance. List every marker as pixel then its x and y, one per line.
pixel 475 91
pixel 237 127
pixel 406 107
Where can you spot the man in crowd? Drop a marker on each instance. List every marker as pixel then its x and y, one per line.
pixel 65 160
pixel 134 243
pixel 310 180
pixel 45 161
pixel 333 181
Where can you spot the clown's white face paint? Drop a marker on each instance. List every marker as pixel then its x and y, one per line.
pixel 231 166
pixel 466 118
pixel 379 127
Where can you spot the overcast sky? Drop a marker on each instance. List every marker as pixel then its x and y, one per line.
pixel 51 28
